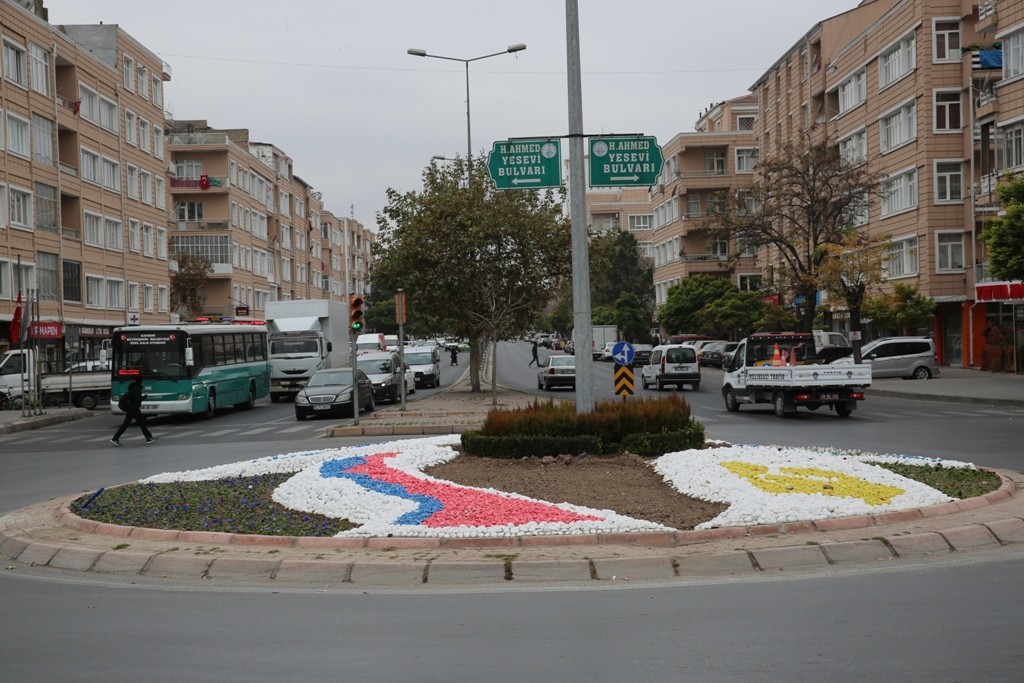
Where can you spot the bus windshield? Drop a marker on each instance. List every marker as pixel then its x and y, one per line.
pixel 150 354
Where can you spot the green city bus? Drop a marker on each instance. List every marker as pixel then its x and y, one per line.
pixel 191 368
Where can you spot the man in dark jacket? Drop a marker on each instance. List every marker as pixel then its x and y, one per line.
pixel 131 404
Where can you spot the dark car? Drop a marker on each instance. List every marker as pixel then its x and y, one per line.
pixel 329 391
pixel 642 354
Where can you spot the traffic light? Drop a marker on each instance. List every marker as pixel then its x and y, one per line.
pixel 355 312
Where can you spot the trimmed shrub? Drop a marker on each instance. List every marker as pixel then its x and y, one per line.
pixel 650 445
pixel 519 446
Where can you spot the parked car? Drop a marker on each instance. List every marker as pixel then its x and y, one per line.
pixel 426 364
pixel 89 366
pixel 717 355
pixel 728 352
pixel 329 391
pixel 832 353
pixel 642 354
pixel 385 371
pixel 674 364
pixel 906 357
pixel 702 344
pixel 557 371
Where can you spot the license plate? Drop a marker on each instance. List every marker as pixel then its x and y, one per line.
pixel 327 407
pixel 148 408
pixel 830 397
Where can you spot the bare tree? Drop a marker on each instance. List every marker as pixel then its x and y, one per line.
pixel 187 285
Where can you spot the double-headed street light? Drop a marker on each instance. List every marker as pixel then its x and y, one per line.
pixel 416 52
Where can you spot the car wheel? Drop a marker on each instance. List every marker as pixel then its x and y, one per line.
pixel 843 410
pixel 643 381
pixel 779 405
pixel 372 405
pixel 922 373
pixel 696 386
pixel 732 404
pixel 88 401
pixel 299 417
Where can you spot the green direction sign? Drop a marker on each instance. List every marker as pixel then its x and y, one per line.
pixel 525 164
pixel 630 161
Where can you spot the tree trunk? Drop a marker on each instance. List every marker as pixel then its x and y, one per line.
pixel 474 364
pixel 494 371
pixel 855 326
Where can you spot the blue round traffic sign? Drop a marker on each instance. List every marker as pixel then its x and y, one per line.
pixel 622 353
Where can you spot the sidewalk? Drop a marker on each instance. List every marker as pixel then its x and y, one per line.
pixel 46 537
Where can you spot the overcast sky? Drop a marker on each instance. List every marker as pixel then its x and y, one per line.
pixel 329 82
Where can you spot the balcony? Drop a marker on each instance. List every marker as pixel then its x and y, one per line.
pixel 187 226
pixel 988 20
pixel 193 184
pixel 194 139
pixel 705 263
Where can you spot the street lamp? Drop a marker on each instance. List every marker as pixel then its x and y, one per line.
pixel 416 52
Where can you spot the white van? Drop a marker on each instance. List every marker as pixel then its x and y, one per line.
pixel 425 361
pixel 368 343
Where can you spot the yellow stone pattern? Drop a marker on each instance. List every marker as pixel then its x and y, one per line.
pixel 812 480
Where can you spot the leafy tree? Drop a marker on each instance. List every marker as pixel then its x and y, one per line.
pixel 617 267
pixel 776 318
pixel 634 325
pixel 680 312
pixel 188 294
pixel 380 316
pixel 849 270
pixel 735 312
pixel 1004 236
pixel 602 315
pixel 474 261
pixel 804 197
pixel 901 312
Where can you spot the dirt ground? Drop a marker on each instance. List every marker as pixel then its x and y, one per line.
pixel 626 484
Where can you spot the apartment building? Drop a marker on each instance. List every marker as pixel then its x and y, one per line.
pixel 902 86
pixel 83 215
pixel 239 203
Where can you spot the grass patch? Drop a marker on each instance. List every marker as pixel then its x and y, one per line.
pixel 955 482
pixel 237 505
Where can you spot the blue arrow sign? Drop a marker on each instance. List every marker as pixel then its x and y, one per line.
pixel 622 353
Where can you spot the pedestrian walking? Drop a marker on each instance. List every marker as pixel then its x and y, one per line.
pixel 535 359
pixel 455 355
pixel 131 404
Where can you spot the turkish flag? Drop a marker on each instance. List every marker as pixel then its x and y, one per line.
pixel 204 182
pixel 16 321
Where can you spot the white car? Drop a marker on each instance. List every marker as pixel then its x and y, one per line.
pixel 606 352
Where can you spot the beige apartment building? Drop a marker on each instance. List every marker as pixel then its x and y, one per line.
pixel 83 214
pixel 927 93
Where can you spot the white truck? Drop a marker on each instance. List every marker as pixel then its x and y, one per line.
pixel 18 376
pixel 766 368
pixel 602 335
pixel 304 335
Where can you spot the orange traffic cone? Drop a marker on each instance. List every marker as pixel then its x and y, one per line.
pixel 776 358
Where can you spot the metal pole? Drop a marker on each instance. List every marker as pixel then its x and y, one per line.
pixel 355 367
pixel 469 136
pixel 577 211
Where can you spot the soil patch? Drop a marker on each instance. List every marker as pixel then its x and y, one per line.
pixel 626 484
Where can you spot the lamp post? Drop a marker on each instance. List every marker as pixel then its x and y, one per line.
pixel 416 52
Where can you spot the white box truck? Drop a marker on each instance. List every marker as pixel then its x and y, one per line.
pixel 603 334
pixel 304 335
pixel 83 389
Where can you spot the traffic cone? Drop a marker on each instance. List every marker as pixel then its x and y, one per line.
pixel 776 358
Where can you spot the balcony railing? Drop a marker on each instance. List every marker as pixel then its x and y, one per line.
pixel 196 183
pixel 981 273
pixel 178 139
pixel 203 225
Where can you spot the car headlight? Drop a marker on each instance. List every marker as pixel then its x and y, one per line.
pixel 386 383
pixel 301 399
pixel 343 397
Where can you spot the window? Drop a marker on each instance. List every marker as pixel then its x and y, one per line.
pixel 15 69
pixel 948 181
pixel 718 246
pixel 947 111
pixel 144 134
pixel 161 243
pixel 899 193
pixel 115 237
pixel 94 291
pixel 88 103
pixel 93 225
pixel 108 114
pixel 72 281
pixel 217 248
pixel 161 294
pixel 857 210
pixel 746 159
pixel 147 239
pixel 133 182
pixel 130 126
pixel 134 239
pixel 146 180
pixel 111 175
pixel 158 93
pixel 90 166
pixel 1014 146
pixel 902 258
pixel 899 127
pixel 17 135
pixel 745 122
pixel 143 82
pixel 1013 54
pixel 133 296
pixel 46 273
pixel 714 163
pixel 897 62
pixel 161 196
pixel 5 279
pixel 147 298
pixel 854 147
pixel 640 222
pixel 852 91
pixel 692 205
pixel 950 248
pixel 19 208
pixel 129 73
pixel 947 41
pixel 42 139
pixel 750 282
pixel 286 237
pixel 285 203
pixel 39 60
pixel 158 143
pixel 190 211
pixel 115 294
pixel 46 207
pixel 188 169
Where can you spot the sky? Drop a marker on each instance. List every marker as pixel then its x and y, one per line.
pixel 330 82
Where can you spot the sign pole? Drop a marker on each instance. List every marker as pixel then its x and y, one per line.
pixel 400 319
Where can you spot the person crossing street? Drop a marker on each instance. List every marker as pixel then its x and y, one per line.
pixel 131 404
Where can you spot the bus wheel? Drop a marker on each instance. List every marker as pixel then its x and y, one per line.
pixel 251 402
pixel 211 405
pixel 88 401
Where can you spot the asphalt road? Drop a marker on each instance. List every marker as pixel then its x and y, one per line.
pixel 952 620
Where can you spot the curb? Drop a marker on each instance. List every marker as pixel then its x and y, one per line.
pixel 38 421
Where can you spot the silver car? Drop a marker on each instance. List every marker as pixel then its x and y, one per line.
pixel 906 357
pixel 557 371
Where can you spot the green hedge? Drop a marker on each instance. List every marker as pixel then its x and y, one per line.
pixel 475 443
